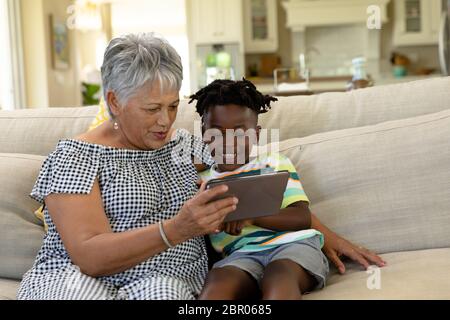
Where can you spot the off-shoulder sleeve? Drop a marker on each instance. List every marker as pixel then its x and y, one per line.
pixel 66 170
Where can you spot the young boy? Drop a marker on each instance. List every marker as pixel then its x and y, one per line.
pixel 275 257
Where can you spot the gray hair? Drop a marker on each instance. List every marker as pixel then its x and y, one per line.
pixel 135 60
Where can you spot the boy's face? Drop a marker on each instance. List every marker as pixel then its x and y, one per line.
pixel 230 131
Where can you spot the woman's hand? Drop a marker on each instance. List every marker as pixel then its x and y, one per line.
pixel 200 215
pixel 336 247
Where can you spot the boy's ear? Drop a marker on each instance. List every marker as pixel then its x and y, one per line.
pixel 113 103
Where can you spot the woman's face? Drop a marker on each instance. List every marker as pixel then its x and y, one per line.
pixel 145 122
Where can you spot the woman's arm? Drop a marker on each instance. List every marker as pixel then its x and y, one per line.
pixel 335 247
pixel 98 251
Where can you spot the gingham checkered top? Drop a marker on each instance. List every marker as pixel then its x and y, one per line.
pixel 138 188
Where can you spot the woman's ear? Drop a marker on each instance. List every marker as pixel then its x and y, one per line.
pixel 113 103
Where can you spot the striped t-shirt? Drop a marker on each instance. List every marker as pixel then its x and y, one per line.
pixel 254 238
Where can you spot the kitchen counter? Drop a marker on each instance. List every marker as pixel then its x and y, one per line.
pixel 338 84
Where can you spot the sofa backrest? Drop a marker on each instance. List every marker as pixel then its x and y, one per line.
pixel 37 131
pixel 386 186
pixel 21 232
pixel 301 116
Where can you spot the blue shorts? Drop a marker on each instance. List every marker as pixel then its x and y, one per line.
pixel 307 253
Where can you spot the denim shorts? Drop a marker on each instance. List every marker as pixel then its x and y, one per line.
pixel 307 253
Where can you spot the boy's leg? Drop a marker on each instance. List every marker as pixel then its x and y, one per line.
pixel 286 280
pixel 229 283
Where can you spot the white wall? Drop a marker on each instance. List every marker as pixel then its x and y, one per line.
pixel 164 17
pixel 63 85
pixel 35 59
pixel 45 86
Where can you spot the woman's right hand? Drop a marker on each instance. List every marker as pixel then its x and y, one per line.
pixel 201 216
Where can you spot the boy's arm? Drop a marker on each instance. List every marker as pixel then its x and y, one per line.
pixel 292 218
pixel 296 215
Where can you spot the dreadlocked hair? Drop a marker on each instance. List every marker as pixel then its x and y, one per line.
pixel 223 92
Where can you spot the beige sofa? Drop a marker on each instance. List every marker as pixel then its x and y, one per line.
pixel 375 164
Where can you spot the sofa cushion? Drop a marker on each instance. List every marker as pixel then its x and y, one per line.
pixel 413 275
pixel 384 186
pixel 8 289
pixel 37 131
pixel 101 116
pixel 21 233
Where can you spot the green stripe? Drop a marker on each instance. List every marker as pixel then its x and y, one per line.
pixel 243 174
pixel 253 248
pixel 294 192
pixel 242 241
pixel 294 176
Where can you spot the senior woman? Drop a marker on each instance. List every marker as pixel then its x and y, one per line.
pixel 125 217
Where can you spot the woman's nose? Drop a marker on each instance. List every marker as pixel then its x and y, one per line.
pixel 164 119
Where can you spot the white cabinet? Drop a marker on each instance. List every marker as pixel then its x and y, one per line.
pixel 260 26
pixel 417 22
pixel 216 21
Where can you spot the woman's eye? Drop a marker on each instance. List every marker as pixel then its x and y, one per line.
pixel 152 110
pixel 173 107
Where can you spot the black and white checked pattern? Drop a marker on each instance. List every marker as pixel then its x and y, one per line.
pixel 138 188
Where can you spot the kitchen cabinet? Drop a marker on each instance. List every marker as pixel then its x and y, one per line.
pixel 216 21
pixel 417 22
pixel 260 26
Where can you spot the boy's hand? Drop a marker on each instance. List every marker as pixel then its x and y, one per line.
pixel 234 228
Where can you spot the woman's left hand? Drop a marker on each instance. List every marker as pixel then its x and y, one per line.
pixel 336 247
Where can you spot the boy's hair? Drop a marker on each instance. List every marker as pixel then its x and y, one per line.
pixel 223 92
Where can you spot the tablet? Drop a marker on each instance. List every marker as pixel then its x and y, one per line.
pixel 259 195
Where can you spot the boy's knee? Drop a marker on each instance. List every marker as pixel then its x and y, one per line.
pixel 225 283
pixel 218 285
pixel 285 277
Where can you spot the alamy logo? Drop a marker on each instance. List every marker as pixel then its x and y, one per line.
pixel 73 282
pixel 374 20
pixel 231 146
pixel 374 280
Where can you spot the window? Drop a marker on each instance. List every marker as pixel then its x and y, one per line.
pixel 11 62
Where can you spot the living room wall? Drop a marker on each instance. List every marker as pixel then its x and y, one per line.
pixel 45 85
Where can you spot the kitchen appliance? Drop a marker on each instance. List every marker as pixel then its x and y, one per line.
pixel 444 38
pixel 219 61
